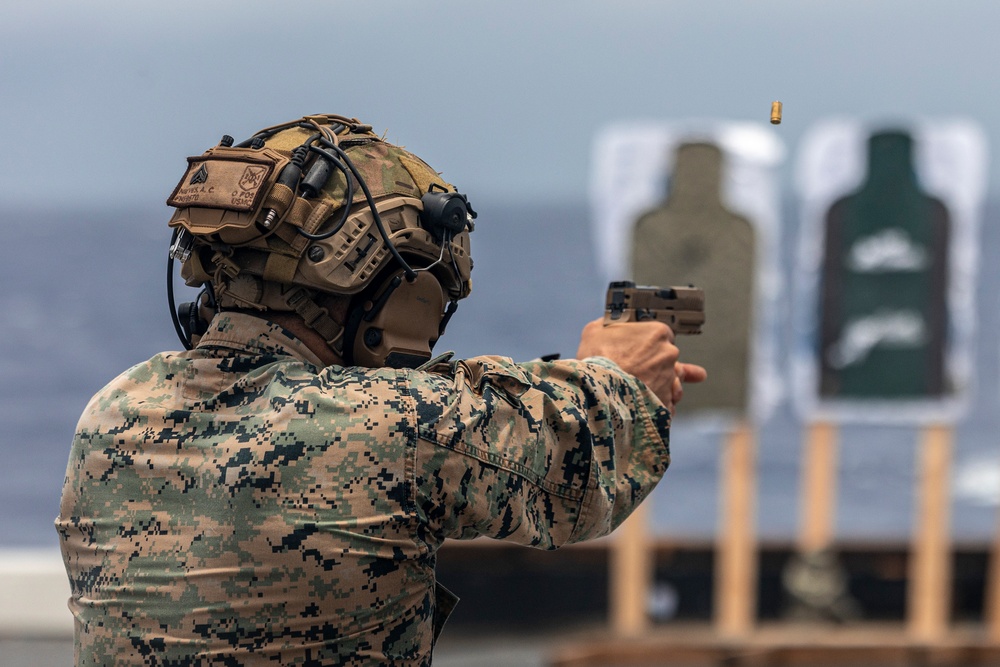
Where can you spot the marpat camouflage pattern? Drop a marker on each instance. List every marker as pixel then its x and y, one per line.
pixel 239 504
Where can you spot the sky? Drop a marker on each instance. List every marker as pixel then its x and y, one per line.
pixel 103 100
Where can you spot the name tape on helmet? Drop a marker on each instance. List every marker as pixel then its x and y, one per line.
pixel 229 179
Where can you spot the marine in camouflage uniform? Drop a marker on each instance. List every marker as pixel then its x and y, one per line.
pixel 255 500
pixel 244 504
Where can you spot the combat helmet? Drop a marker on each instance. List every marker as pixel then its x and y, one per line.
pixel 316 208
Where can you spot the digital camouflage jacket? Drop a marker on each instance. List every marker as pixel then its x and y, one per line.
pixel 240 504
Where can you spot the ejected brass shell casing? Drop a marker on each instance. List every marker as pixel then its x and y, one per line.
pixel 775 113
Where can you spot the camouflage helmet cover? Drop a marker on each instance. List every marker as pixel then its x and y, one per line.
pixel 257 234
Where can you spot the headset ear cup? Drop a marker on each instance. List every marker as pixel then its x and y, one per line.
pixel 395 324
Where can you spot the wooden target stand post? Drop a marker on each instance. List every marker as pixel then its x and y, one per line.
pixel 736 566
pixel 929 576
pixel 992 611
pixel 632 561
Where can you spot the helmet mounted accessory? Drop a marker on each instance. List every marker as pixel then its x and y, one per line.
pixel 445 213
pixel 397 323
pixel 322 207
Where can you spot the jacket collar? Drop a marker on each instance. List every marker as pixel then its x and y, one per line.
pixel 255 335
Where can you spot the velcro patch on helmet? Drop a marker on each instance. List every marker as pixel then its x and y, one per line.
pixel 237 181
pixel 423 176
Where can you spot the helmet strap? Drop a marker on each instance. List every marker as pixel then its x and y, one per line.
pixel 317 318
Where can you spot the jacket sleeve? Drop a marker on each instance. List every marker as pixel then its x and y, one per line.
pixel 542 453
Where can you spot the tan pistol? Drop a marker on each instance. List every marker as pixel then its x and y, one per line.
pixel 682 308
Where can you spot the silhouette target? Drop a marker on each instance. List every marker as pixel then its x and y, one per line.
pixel 883 283
pixel 692 238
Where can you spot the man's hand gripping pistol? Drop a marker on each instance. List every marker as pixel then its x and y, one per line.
pixel 682 308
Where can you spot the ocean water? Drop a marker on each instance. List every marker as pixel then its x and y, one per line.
pixel 84 298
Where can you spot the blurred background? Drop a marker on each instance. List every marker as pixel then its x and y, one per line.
pixel 103 101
